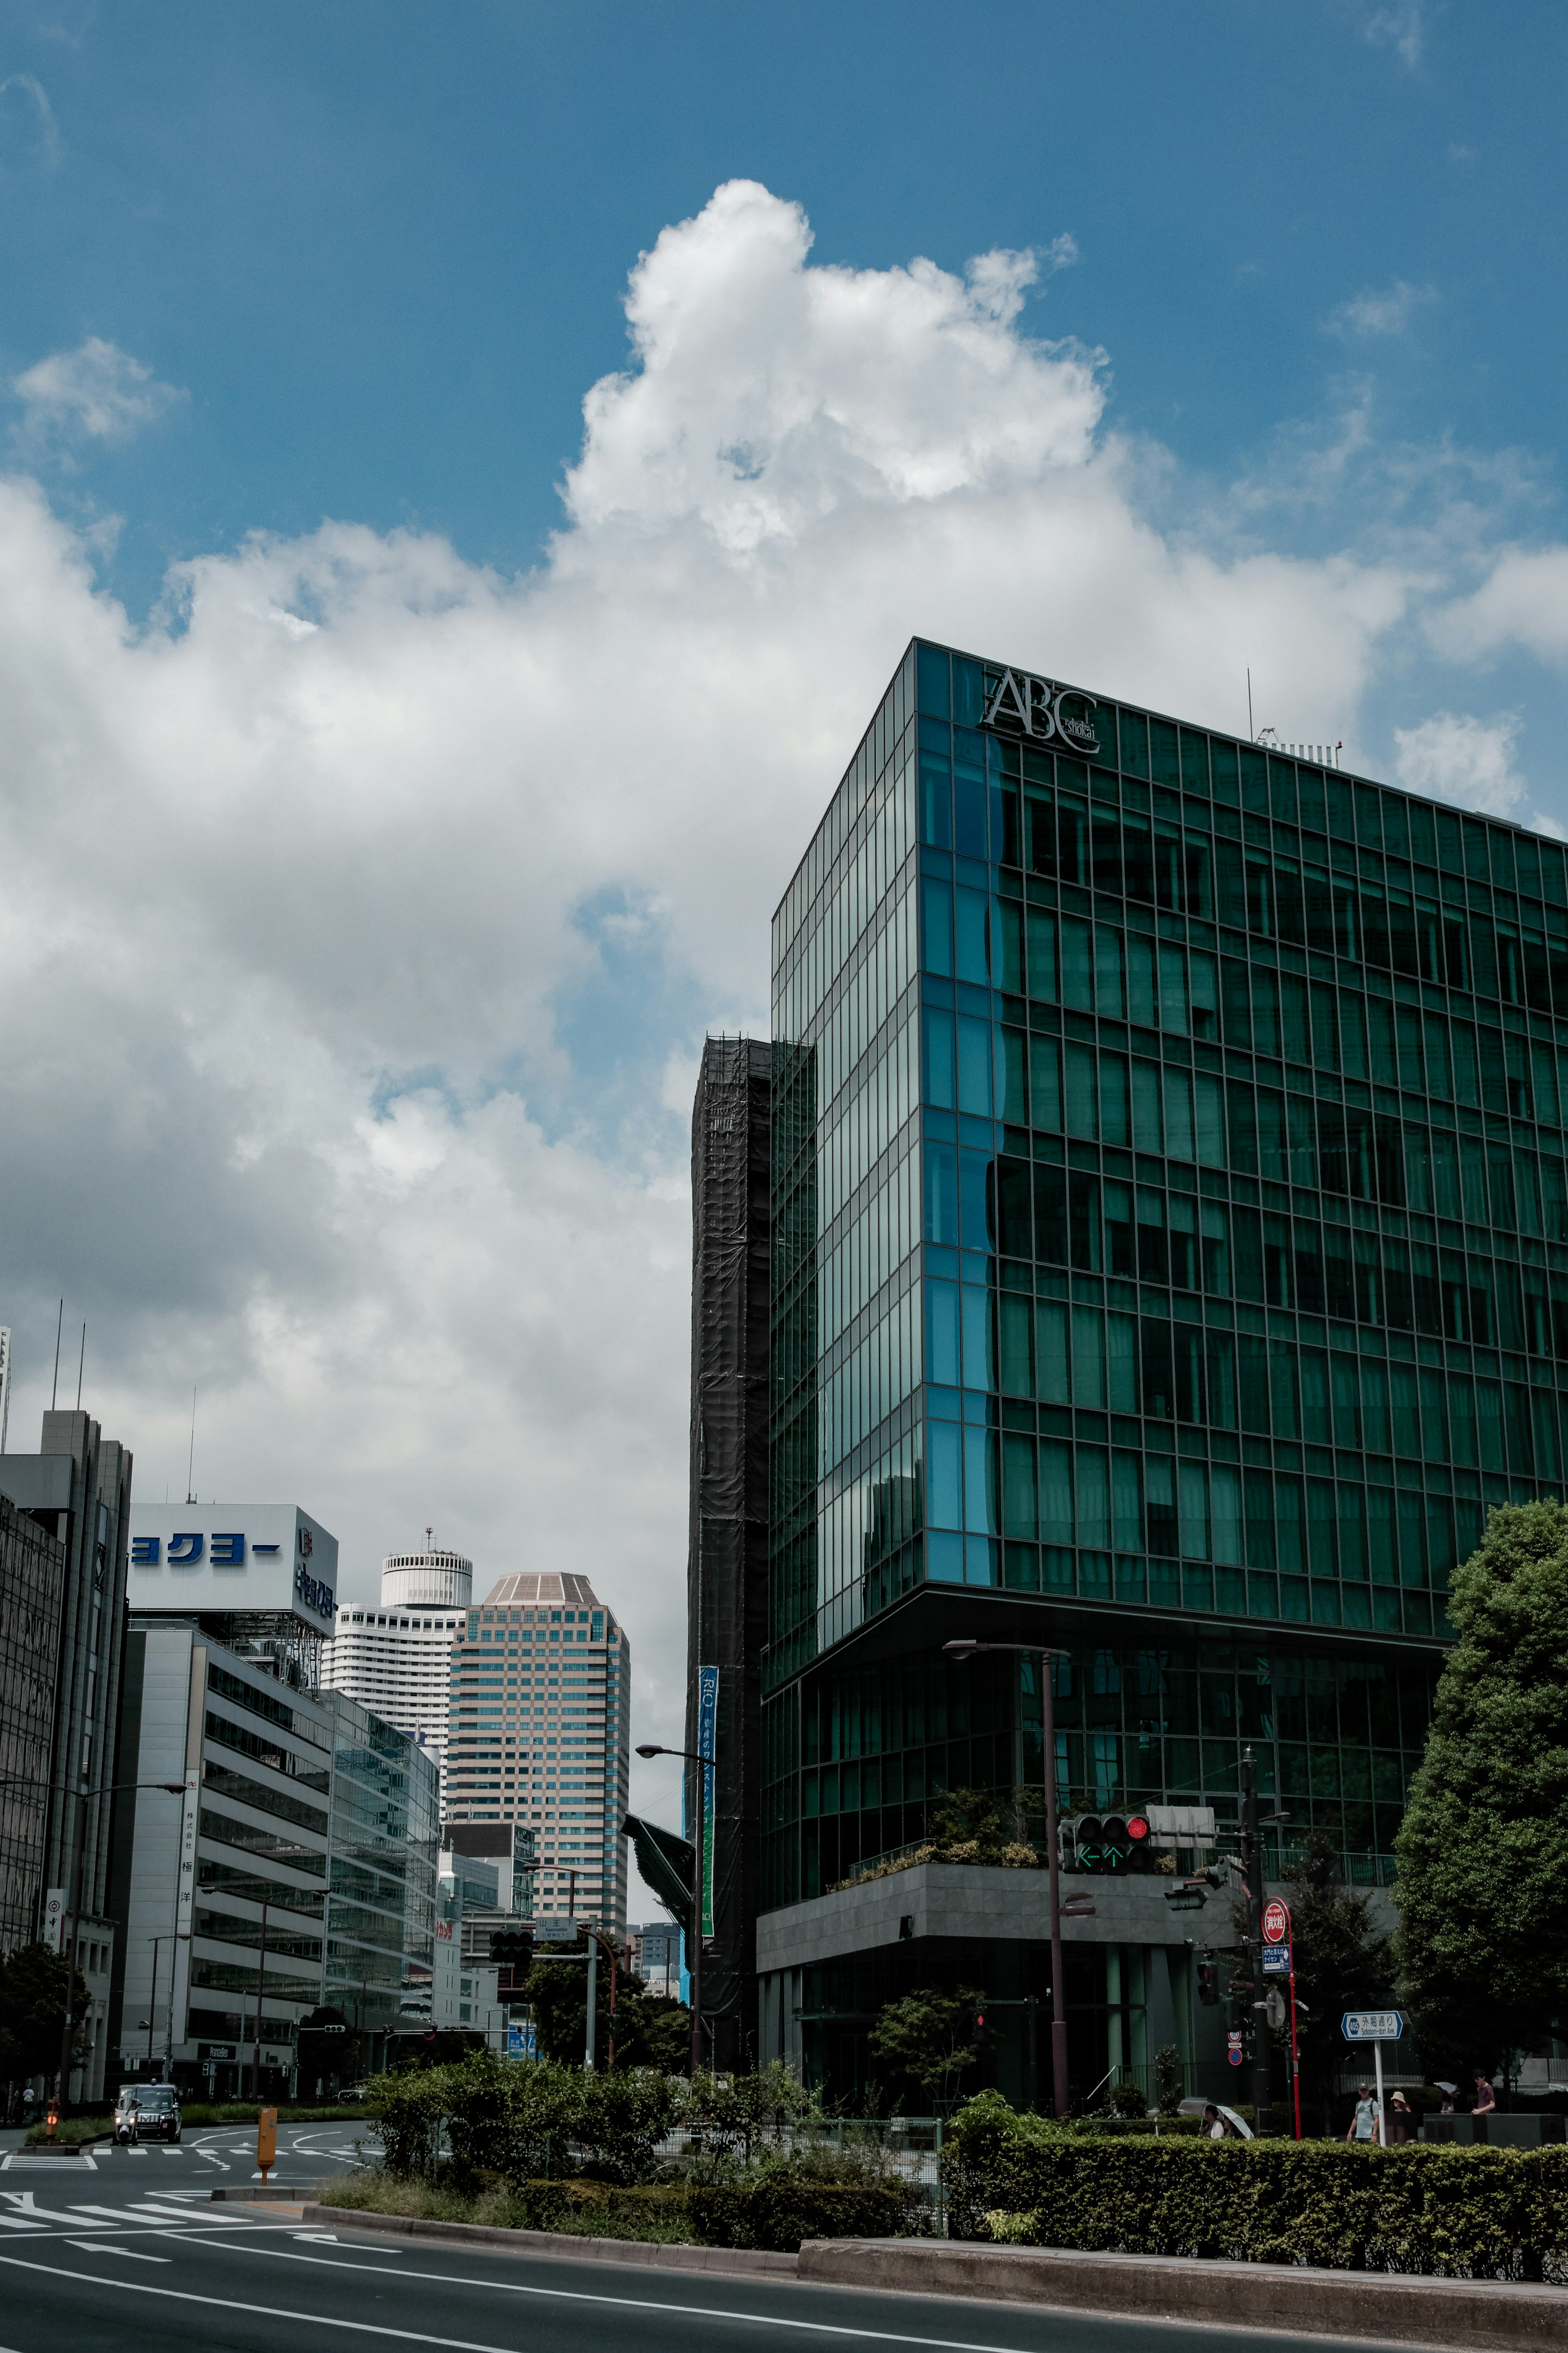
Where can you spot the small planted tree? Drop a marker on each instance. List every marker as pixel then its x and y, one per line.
pixel 933 2039
pixel 1482 1888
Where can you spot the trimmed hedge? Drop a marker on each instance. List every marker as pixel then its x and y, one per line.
pixel 778 2211
pixel 1456 2212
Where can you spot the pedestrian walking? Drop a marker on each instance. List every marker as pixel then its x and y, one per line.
pixel 1401 2118
pixel 1364 2125
pixel 1486 2098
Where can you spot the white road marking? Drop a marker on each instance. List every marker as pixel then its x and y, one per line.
pixel 21 2222
pixel 96 2247
pixel 514 2287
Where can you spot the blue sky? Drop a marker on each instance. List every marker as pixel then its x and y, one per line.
pixel 402 758
pixel 382 248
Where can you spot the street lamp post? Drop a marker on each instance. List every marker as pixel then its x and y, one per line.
pixel 703 1764
pixel 65 1790
pixel 1061 2095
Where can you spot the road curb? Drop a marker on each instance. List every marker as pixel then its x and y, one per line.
pixel 264 2192
pixel 645 2253
pixel 1497 2315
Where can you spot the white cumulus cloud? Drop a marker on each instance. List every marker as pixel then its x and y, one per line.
pixel 1522 602
pixel 1385 310
pixel 97 393
pixel 305 885
pixel 1455 757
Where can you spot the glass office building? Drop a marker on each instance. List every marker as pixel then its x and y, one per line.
pixel 1169 1262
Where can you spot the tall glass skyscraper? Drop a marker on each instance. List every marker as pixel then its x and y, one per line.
pixel 1169 1262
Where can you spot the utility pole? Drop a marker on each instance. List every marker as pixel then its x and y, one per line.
pixel 1252 1874
pixel 260 1989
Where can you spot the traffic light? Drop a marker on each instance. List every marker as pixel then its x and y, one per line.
pixel 1107 1843
pixel 513 1948
pixel 1208 1978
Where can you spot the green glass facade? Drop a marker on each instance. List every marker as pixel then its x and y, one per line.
pixel 1170 1232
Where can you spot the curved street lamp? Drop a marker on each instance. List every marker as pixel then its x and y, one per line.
pixel 692 1756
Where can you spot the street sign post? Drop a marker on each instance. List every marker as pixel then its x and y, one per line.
pixel 1233 2048
pixel 266 2142
pixel 1280 1961
pixel 1376 2027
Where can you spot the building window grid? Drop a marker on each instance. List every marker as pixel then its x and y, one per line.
pixel 1184 1023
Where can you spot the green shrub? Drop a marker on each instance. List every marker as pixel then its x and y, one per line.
pixel 1480 2213
pixel 495 2119
pixel 779 2209
pixel 582 2209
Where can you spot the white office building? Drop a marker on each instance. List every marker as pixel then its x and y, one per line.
pixel 537 1735
pixel 395 1659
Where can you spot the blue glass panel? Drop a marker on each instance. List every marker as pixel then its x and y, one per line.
pixel 944 1559
pixel 977 1235
pixel 936 913
pixel 941 1194
pixel 939 1060
pixel 974 1068
pixel 968 692
pixel 934 689
pixel 973 964
pixel 941 1334
pixel 944 1491
pixel 979 1483
pixel 979 1343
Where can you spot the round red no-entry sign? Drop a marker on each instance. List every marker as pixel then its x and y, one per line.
pixel 1276 1923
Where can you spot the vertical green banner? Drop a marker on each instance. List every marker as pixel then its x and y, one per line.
pixel 707 1746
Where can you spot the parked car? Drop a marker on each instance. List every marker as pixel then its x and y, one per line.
pixel 147 2111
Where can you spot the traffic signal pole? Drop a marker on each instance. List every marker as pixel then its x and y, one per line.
pixel 1252 1871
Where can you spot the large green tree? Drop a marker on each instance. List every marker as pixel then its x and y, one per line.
pixel 649 2031
pixel 1482 1888
pixel 34 1985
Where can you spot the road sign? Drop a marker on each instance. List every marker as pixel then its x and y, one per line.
pixel 1371 2025
pixel 1275 2010
pixel 1233 2048
pixel 1276 1923
pixel 1275 1960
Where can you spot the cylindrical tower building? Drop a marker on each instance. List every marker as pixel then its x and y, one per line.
pixel 393 1659
pixel 431 1579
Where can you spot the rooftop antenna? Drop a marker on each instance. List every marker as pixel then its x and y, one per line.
pixel 80 1368
pixel 428 1533
pixel 191 1466
pixel 59 1327
pixel 1251 733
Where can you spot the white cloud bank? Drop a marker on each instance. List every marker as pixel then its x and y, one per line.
pixel 293 884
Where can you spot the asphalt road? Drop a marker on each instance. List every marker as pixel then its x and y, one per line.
pixel 136 2245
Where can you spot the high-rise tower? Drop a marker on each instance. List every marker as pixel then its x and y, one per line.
pixel 1168 1176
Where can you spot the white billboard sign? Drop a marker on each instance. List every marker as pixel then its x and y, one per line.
pixel 187 1558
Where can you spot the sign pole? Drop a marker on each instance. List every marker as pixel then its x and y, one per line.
pixel 1377 2062
pixel 1295 2052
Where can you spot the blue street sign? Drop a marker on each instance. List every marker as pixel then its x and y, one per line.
pixel 1233 2048
pixel 1371 2025
pixel 1275 1960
